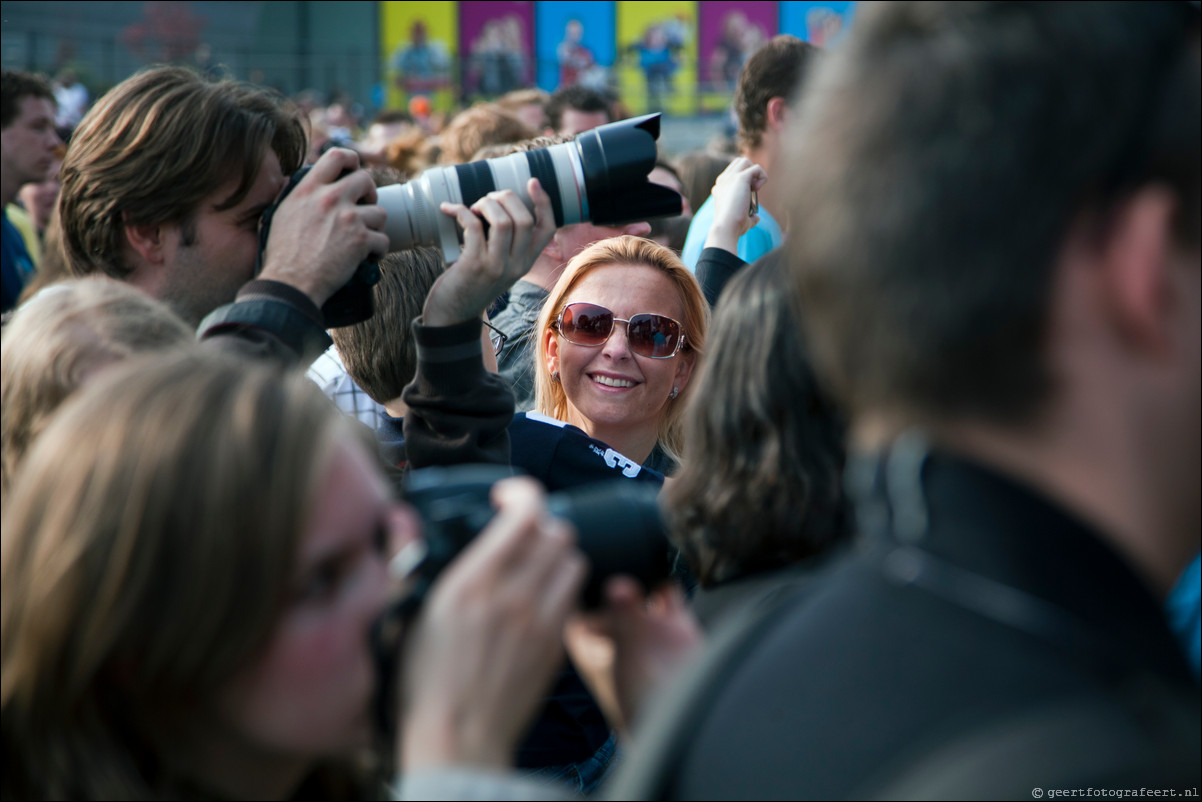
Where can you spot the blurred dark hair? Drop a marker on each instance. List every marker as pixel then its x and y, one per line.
pixel 18 84
pixel 761 488
pixel 577 97
pixel 698 170
pixel 671 231
pixel 945 150
pixel 525 146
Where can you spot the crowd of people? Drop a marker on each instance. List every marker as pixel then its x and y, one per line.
pixel 913 381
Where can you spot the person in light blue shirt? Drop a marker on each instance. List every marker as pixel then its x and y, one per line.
pixel 763 237
pixel 767 84
pixel 1185 614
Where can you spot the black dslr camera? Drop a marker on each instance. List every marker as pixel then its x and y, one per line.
pixel 618 527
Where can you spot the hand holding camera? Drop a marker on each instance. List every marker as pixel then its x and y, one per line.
pixel 637 642
pixel 325 227
pixel 501 240
pixel 736 207
pixel 489 637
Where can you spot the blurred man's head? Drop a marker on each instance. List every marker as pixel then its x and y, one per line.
pixel 39 198
pixel 574 109
pixel 940 195
pixel 1001 208
pixel 27 135
pixel 166 178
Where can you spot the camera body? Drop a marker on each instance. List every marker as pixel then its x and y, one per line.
pixel 618 523
pixel 618 527
pixel 352 303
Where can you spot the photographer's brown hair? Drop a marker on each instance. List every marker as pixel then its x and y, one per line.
pixel 152 149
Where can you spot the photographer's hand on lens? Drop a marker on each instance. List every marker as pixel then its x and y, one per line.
pixel 325 227
pixel 489 638
pixel 490 262
pixel 733 192
pixel 631 646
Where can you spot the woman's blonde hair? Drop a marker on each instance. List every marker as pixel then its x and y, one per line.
pixel 550 398
pixel 56 337
pixel 148 550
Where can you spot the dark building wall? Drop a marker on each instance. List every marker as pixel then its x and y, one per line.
pixel 321 45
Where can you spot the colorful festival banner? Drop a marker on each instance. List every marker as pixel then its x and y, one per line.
pixel 496 46
pixel 657 55
pixel 419 44
pixel 678 56
pixel 729 32
pixel 575 43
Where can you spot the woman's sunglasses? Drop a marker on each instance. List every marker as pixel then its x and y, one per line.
pixel 654 336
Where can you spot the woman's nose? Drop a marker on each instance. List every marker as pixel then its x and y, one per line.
pixel 618 344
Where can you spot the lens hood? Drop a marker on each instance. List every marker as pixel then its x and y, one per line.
pixel 617 159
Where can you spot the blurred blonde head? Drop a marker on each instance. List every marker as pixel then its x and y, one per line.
pixel 147 555
pixel 58 339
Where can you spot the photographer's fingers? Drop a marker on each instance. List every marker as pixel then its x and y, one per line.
pixel 523 228
pixel 473 230
pixel 332 164
pixel 757 177
pixel 732 204
pixel 544 215
pixel 339 168
pixel 512 532
pixel 325 227
pixel 500 233
pixel 548 575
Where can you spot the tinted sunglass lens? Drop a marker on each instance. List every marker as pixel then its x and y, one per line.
pixel 587 324
pixel 653 335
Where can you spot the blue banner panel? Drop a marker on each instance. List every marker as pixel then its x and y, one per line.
pixel 574 43
pixel 819 23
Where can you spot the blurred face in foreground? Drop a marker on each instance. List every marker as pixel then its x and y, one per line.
pixel 307 696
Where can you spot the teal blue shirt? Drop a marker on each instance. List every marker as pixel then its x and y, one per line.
pixel 755 243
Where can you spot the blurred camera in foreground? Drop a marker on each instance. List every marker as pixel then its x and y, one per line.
pixel 618 527
pixel 618 524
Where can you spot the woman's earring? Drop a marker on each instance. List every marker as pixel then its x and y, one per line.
pixel 555 377
pixel 675 392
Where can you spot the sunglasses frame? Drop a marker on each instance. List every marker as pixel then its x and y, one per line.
pixel 680 342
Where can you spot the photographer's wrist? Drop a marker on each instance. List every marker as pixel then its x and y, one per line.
pixel 315 289
pixel 432 744
pixel 724 237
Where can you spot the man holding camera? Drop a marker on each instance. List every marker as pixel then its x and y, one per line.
pixel 164 184
pixel 767 85
pixel 166 181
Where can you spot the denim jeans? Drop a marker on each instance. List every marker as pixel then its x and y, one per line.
pixel 585 776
